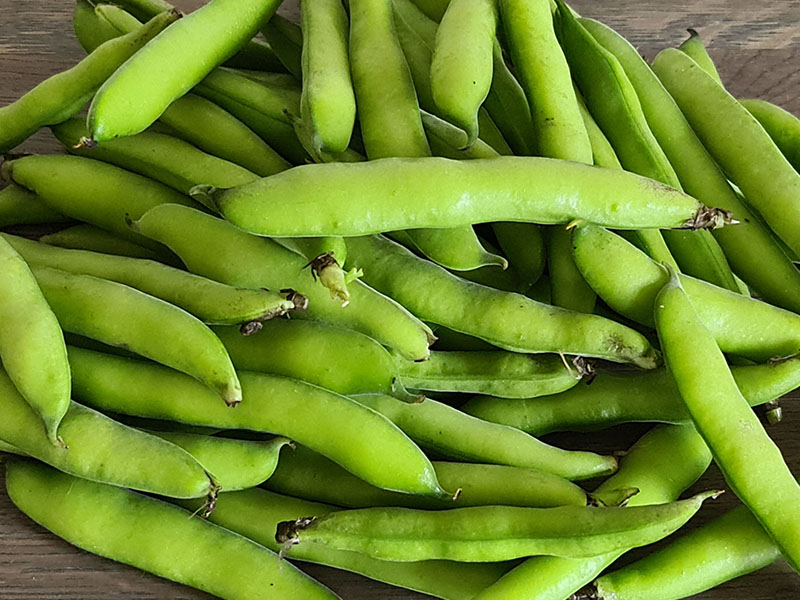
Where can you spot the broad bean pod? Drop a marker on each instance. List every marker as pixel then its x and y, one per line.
pixel 132 528
pixel 781 125
pixel 696 49
pixel 362 441
pixel 93 239
pixel 18 206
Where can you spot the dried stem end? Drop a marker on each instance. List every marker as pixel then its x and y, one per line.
pixel 710 218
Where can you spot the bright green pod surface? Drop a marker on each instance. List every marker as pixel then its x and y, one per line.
pixel 409 193
pixel 338 359
pixel 91 191
pixel 256 513
pixel 730 546
pixel 451 142
pixel 222 134
pixel 737 141
pixel 98 448
pixel 328 103
pixel 615 398
pixel 661 465
pixel 245 260
pixel 64 95
pixel 455 434
pixel 18 206
pixel 144 9
pixel 167 159
pixel 749 247
pixel 208 300
pixel 32 346
pixel 306 474
pixel 723 417
pixel 545 76
pixel 93 239
pixel 493 533
pixel 139 91
pixel 154 536
pixel 360 440
pixel 503 374
pixel 695 48
pixel 461 67
pixel 781 125
pixel 234 464
pixel 628 281
pixel 96 24
pixel 510 321
pixel 122 316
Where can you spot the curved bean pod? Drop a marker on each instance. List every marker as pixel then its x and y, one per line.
pixel 306 474
pixel 503 374
pixel 208 300
pixel 781 125
pixel 491 533
pixel 131 528
pixel 661 465
pixel 245 260
pixel 362 441
pixel 63 95
pixel 338 359
pixel 256 513
pixel 510 321
pixel 724 419
pixel 451 142
pixel 457 435
pixel 32 346
pixel 93 239
pixel 696 49
pixel 137 93
pixel 119 315
pixel 749 247
pixel 91 191
pixel 773 187
pixel 614 398
pixel 628 281
pixel 406 193
pixel 234 464
pixel 98 448
pixel 96 24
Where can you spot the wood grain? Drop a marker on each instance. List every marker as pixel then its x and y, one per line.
pixel 757 47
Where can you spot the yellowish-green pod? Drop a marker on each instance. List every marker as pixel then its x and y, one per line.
pixel 32 346
pixel 154 536
pixel 64 95
pixel 18 206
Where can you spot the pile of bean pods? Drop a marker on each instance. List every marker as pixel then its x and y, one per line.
pixel 308 293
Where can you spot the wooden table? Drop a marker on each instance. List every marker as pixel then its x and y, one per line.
pixel 757 48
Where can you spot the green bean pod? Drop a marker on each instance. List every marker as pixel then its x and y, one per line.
pixel 138 92
pixel 628 281
pixel 328 103
pixel 451 142
pixel 96 24
pixel 545 77
pixel 234 464
pixel 696 49
pixel 723 417
pixel 491 533
pixel 461 67
pixel 734 137
pixel 615 398
pixel 91 191
pixel 100 449
pixel 285 38
pixel 18 206
pixel 509 321
pixel 132 529
pixel 452 433
pixel 362 441
pixel 411 193
pixel 603 154
pixel 749 247
pixel 93 239
pixel 568 288
pixel 341 360
pixel 208 300
pixel 119 315
pixel 256 513
pixel 434 9
pixel 244 260
pixel 732 545
pixel 781 125
pixel 503 374
pixel 32 346
pixel 64 95
pixel 524 246
pixel 306 474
